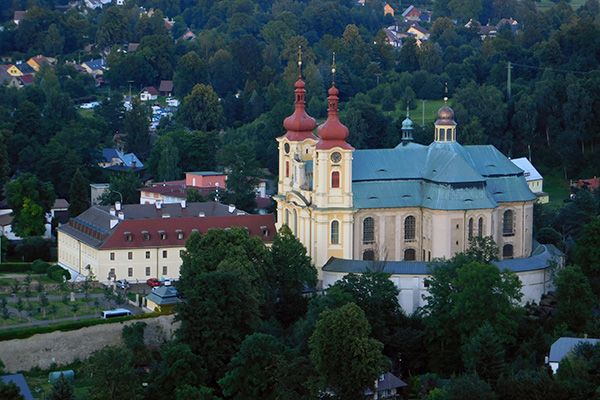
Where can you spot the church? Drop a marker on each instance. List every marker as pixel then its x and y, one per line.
pixel 402 207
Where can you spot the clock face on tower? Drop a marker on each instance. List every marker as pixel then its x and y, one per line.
pixel 336 157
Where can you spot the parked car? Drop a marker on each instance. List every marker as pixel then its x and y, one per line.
pixel 166 282
pixel 153 282
pixel 122 284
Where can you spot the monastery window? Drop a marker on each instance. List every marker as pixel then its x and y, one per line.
pixel 130 255
pixel 470 235
pixel 369 255
pixel 335 179
pixel 147 271
pixel 507 251
pixel 410 227
pixel 112 256
pixel 164 254
pixel 287 169
pixel 368 230
pixel 410 255
pixel 335 232
pixel 480 227
pixel 179 234
pixel 164 270
pixel 162 234
pixel 147 255
pixel 507 223
pixel 145 235
pixel 129 272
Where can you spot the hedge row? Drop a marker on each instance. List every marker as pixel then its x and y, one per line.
pixel 23 333
pixel 19 267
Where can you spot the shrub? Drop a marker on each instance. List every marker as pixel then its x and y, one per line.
pixel 17 267
pixel 33 248
pixel 57 273
pixel 40 267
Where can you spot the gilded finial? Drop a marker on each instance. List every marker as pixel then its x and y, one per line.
pixel 446 92
pixel 333 69
pixel 300 61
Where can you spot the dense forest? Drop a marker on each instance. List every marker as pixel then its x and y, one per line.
pixel 257 335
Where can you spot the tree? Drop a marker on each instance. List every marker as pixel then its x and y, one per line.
pixel 219 311
pixel 168 169
pixel 178 367
pixel 4 163
pixel 112 375
pixel 29 186
pixel 201 109
pixel 483 249
pixel 53 41
pixel 62 389
pixel 30 221
pixel 191 70
pixel 135 127
pixel 465 9
pixel 575 298
pixel 483 354
pixel 112 27
pixel 10 391
pixel 345 357
pixel 469 387
pixel 78 194
pixel 264 368
pixel 587 252
pixel 240 159
pixel 127 184
pixel 292 271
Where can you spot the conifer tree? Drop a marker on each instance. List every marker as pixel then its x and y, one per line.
pixel 78 194
pixel 62 389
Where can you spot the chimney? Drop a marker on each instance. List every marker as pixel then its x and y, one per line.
pixel 231 208
pixel 158 205
pixel 118 205
pixel 113 222
pixel 183 203
pixel 121 215
pixel 113 212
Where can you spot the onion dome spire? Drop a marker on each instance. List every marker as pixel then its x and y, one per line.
pixel 299 125
pixel 445 126
pixel 332 133
pixel 407 128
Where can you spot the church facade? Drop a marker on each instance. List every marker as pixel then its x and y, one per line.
pixel 408 203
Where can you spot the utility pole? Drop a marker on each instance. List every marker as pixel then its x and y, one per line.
pixel 508 69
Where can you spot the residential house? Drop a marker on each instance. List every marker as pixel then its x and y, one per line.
pixel 18 16
pixel 393 37
pixel 39 61
pixel 563 347
pixel 418 32
pixel 7 79
pixel 20 382
pixel 388 10
pixel 12 70
pixel 149 94
pixel 132 47
pixel 387 386
pixel 24 68
pixel 188 35
pixel 591 184
pixel 116 160
pixel 165 88
pixel 96 192
pixel 491 31
pixel 205 182
pixel 94 4
pixel 533 177
pixel 412 13
pixel 162 299
pixel 140 241
pixel 95 67
pixel 6 220
pixel 60 211
pixel 26 80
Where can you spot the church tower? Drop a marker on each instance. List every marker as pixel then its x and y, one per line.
pixel 445 126
pixel 332 199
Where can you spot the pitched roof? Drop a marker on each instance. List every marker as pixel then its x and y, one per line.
pixel 6 219
pixel 563 346
pixel 408 10
pixel 165 86
pixel 25 68
pixel 541 258
pixel 164 295
pixel 444 176
pixel 531 174
pixel 151 90
pixel 60 203
pixel 131 47
pixel 26 79
pixel 19 15
pixel 96 64
pixel 108 154
pixel 19 380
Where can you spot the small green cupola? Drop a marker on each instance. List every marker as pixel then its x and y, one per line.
pixel 407 129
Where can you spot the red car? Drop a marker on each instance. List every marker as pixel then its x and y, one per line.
pixel 153 282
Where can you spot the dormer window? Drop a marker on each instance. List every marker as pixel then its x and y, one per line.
pixel 146 235
pixel 128 236
pixel 162 235
pixel 179 234
pixel 264 230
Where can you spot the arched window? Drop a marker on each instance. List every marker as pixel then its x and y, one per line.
pixel 335 179
pixel 470 233
pixel 410 255
pixel 369 255
pixel 368 230
pixel 287 169
pixel 335 232
pixel 295 222
pixel 480 227
pixel 410 228
pixel 507 251
pixel 507 223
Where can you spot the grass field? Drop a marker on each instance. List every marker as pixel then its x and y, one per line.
pixel 556 186
pixel 416 114
pixel 546 4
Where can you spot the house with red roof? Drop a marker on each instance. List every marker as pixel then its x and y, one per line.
pixel 149 93
pixel 141 241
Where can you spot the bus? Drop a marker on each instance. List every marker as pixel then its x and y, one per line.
pixel 118 312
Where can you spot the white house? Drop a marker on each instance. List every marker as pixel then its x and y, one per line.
pixel 533 177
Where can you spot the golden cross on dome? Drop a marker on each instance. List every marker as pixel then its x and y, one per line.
pixel 300 61
pixel 333 69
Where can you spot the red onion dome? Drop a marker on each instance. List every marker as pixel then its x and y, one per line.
pixel 332 133
pixel 299 125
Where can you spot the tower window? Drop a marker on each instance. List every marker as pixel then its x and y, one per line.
pixel 410 225
pixel 410 255
pixel 335 179
pixel 369 255
pixel 368 230
pixel 335 232
pixel 507 223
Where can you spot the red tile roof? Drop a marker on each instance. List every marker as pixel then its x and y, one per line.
pixel 591 184
pixel 26 79
pixel 165 86
pixel 152 90
pixel 130 234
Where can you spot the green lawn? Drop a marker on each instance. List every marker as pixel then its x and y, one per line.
pixel 556 186
pixel 416 114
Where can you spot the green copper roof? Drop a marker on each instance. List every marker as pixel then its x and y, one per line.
pixel 441 176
